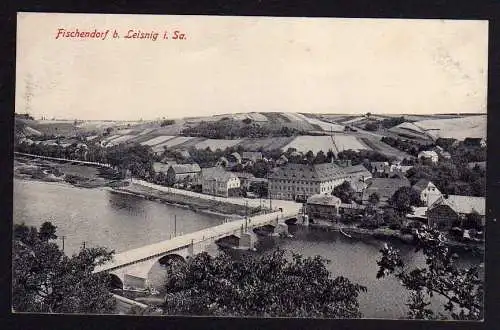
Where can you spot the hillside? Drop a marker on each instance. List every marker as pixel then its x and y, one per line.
pixel 265 131
pixel 457 128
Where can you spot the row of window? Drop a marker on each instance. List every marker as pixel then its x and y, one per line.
pixel 306 189
pixel 307 183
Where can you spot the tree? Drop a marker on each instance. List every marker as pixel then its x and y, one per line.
pixel 473 221
pixel 463 288
pixel 330 155
pixel 403 199
pixel 167 122
pixel 392 219
pixel 344 192
pixel 374 198
pixel 108 131
pixel 310 157
pixel 371 126
pixel 269 285
pixel 45 280
pixel 320 158
pixel 393 121
pixel 47 231
pixel 260 169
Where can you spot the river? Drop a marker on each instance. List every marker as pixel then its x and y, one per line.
pixel 100 217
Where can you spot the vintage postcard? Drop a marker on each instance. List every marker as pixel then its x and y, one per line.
pixel 250 166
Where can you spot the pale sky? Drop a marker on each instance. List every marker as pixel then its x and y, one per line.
pixel 246 64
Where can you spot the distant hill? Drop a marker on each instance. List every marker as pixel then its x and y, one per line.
pixel 457 128
pixel 303 132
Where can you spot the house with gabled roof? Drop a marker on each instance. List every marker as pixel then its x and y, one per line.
pixel 357 173
pixel 251 156
pixel 222 162
pixel 219 182
pixel 161 167
pixel 379 167
pixel 450 210
pixel 441 152
pixel 183 172
pixel 428 192
pixel 384 188
pixel 282 160
pixel 234 158
pixel 323 206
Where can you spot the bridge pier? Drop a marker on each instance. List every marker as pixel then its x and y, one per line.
pixel 135 282
pixel 191 249
pixel 281 229
pixel 305 219
pixel 247 241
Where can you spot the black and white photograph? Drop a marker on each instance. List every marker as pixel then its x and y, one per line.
pixel 238 166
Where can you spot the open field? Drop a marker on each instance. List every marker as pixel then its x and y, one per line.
pixel 277 117
pixel 111 137
pixel 31 131
pixel 215 144
pixel 265 143
pixel 457 128
pixel 410 130
pixel 325 143
pixel 377 145
pixel 294 120
pixel 172 143
pixel 55 128
pixel 122 138
pixel 257 116
pixel 345 142
pixel 189 143
pixel 157 140
pixel 354 120
pixel 322 124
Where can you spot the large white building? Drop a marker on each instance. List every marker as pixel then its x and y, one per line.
pixel 219 182
pixel 300 181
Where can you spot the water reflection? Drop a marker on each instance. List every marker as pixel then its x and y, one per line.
pixel 131 205
pixel 102 218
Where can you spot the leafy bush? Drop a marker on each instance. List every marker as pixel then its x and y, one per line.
pixel 74 179
pixel 222 286
pixel 371 126
pixel 167 122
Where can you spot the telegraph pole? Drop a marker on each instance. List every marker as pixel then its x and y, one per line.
pixel 246 215
pixel 62 237
pixel 269 193
pixel 175 225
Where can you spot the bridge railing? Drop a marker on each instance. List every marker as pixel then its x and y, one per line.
pixel 191 239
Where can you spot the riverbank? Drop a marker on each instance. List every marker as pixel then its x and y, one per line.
pixel 196 204
pixel 389 234
pixel 81 176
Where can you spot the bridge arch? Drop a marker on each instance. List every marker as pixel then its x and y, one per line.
pixel 168 259
pixel 116 281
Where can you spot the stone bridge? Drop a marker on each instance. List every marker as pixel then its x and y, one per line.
pixel 131 268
